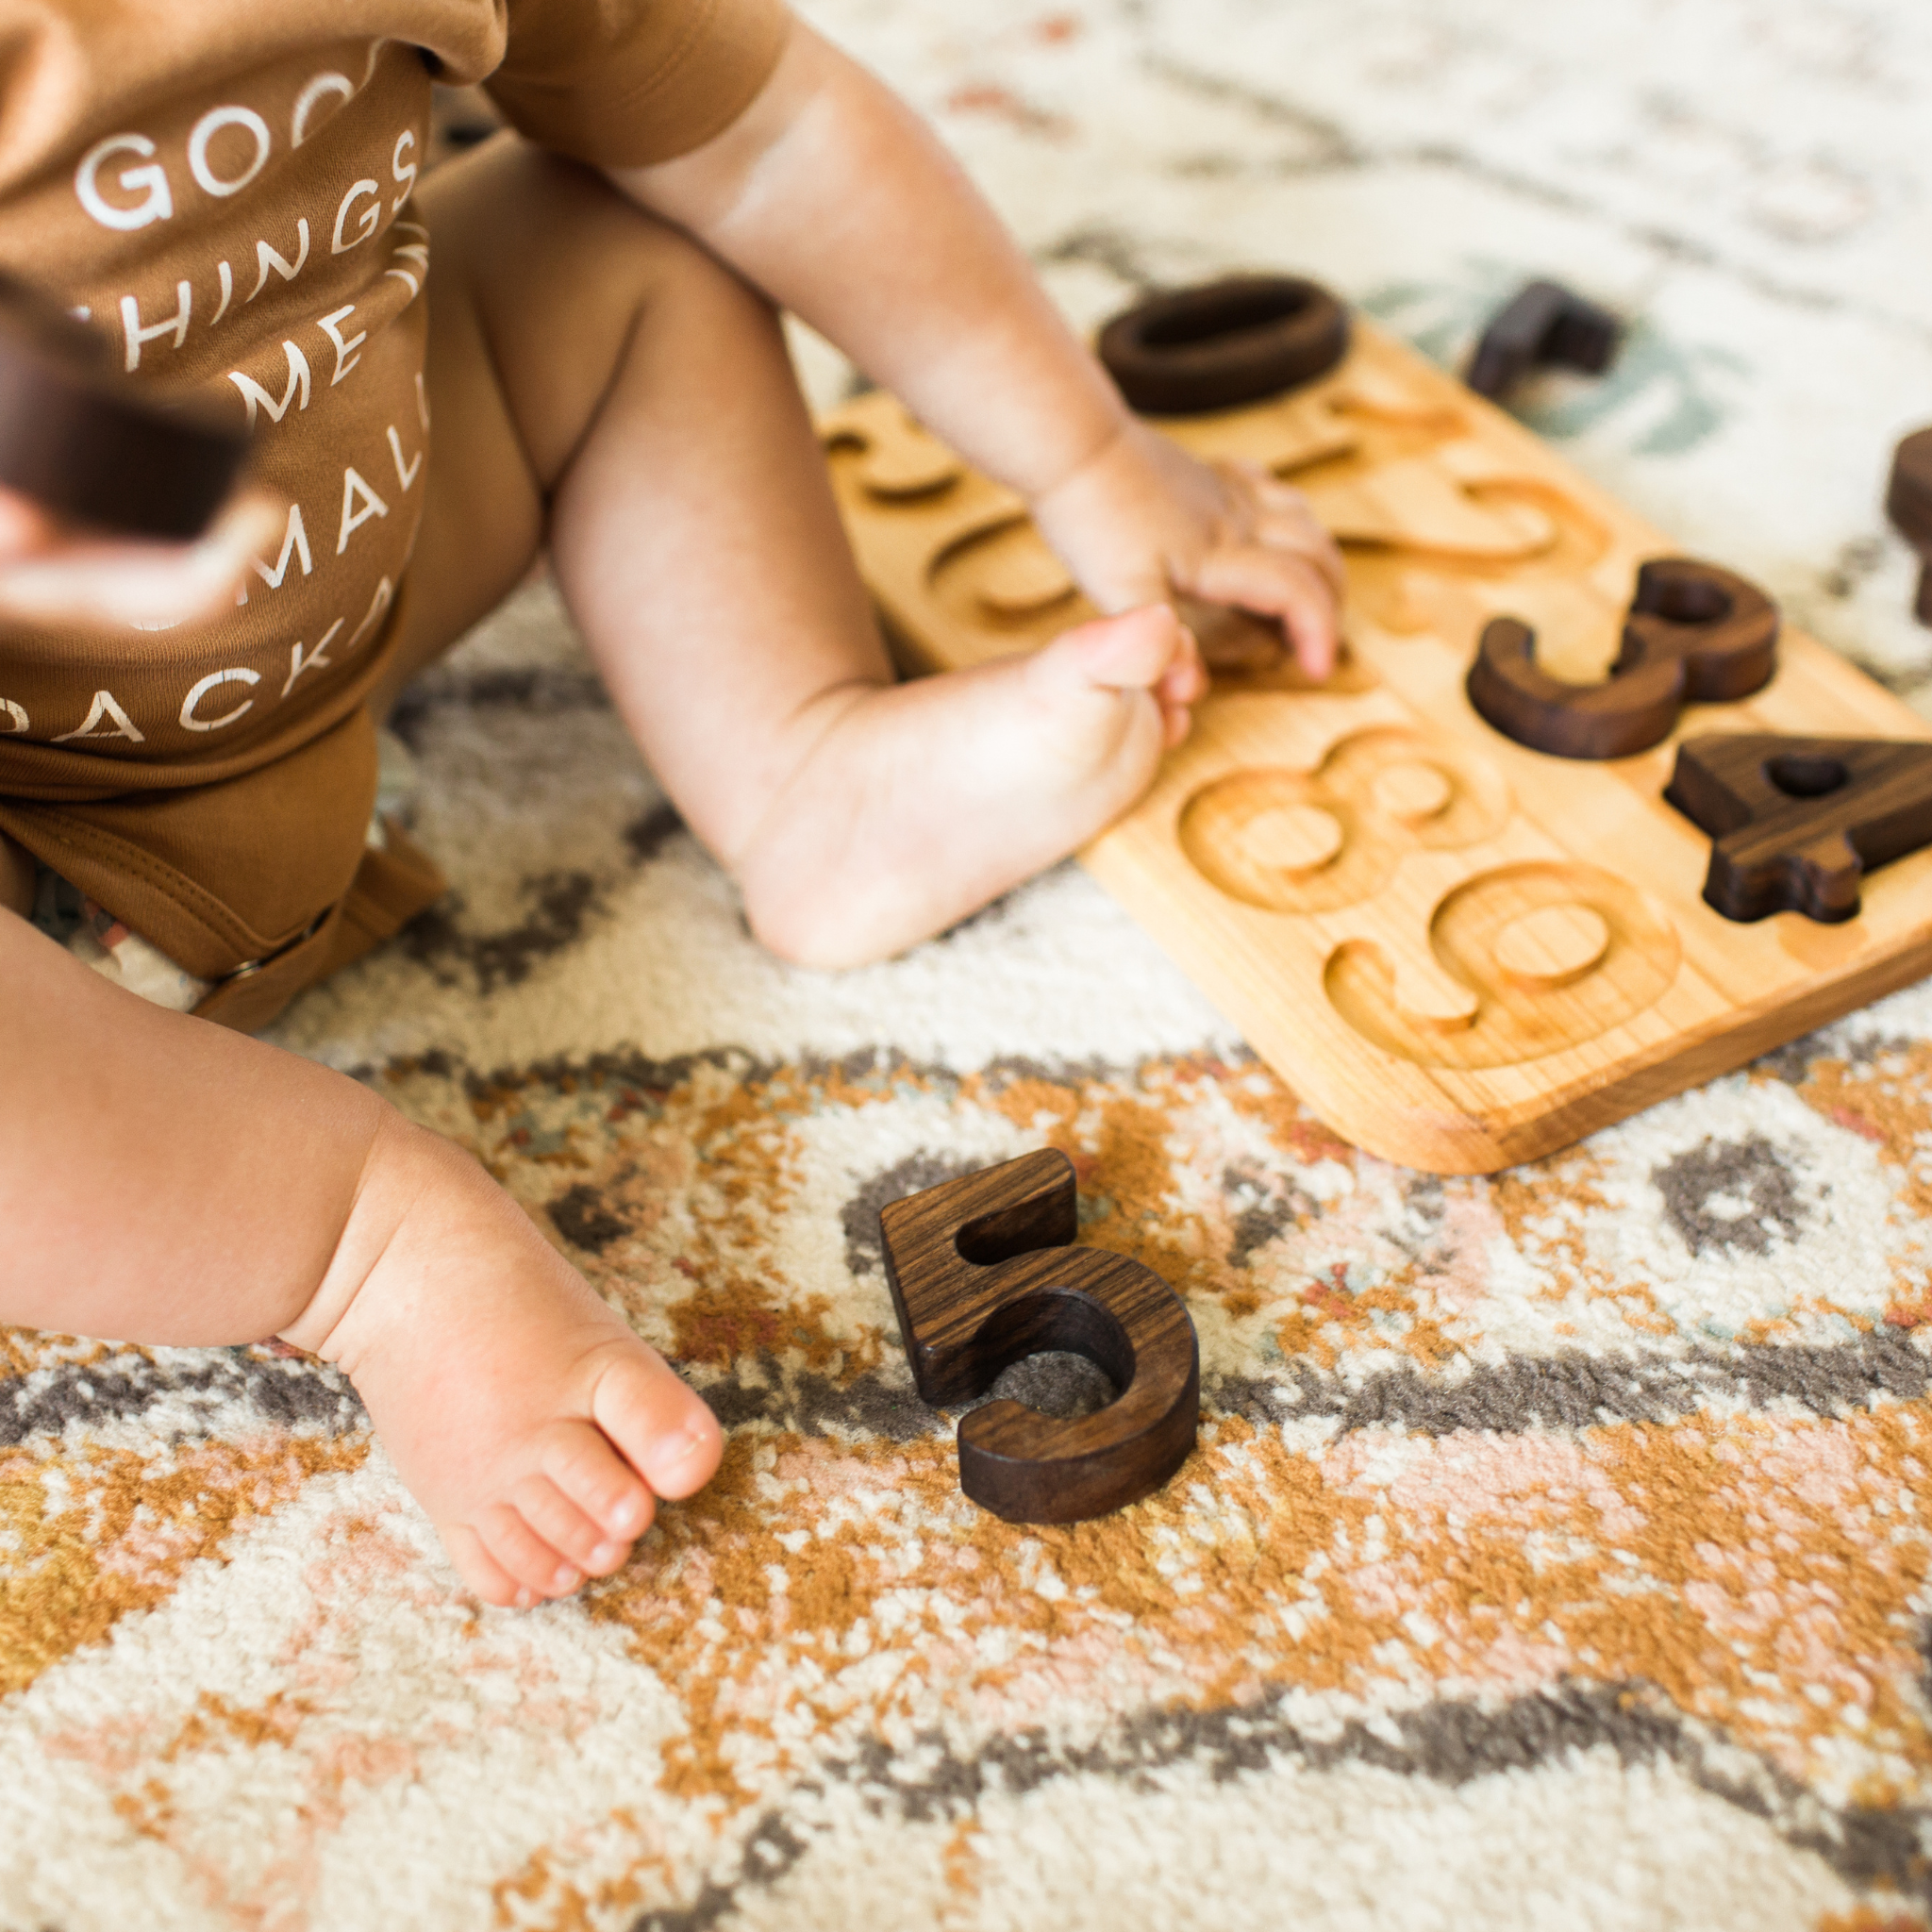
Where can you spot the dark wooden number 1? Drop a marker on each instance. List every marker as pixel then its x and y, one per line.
pixel 982 1276
pixel 1219 344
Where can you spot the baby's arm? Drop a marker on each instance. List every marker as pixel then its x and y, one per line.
pixel 834 198
pixel 55 574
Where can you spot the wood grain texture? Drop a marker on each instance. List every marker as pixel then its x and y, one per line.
pixel 1695 631
pixel 1797 823
pixel 1381 966
pixel 1223 344
pixel 982 1275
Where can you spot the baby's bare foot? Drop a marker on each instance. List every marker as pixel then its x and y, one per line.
pixel 920 802
pixel 530 1422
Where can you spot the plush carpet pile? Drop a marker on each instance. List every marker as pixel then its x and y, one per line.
pixel 1559 1545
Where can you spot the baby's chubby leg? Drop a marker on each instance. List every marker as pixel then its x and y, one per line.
pixel 16 879
pixel 696 538
pixel 718 592
pixel 166 1182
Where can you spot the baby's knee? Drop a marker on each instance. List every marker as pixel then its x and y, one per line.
pixel 554 223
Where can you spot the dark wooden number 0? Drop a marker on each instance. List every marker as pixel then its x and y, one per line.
pixel 983 1276
pixel 1219 344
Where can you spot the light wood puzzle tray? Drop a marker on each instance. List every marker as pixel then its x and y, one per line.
pixel 1462 953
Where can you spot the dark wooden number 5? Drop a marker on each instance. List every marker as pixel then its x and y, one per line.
pixel 982 1276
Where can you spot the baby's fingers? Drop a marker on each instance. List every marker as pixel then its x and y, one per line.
pixel 1184 686
pixel 25 528
pixel 1281 584
pixel 57 576
pixel 1285 521
pixel 1280 515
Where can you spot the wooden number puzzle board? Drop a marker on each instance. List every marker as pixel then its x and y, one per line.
pixel 1459 952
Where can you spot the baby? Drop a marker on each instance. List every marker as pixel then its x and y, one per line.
pixel 585 308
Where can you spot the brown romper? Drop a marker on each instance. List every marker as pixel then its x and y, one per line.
pixel 222 189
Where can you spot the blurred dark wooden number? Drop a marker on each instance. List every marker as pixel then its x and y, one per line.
pixel 1545 324
pixel 1222 344
pixel 1909 503
pixel 91 446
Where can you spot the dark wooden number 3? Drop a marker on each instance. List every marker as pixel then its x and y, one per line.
pixel 983 1276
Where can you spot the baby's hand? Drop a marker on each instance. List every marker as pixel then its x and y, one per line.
pixel 1145 522
pixel 54 574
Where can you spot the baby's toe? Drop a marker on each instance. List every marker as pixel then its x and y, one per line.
pixel 566 1528
pixel 1130 651
pixel 484 1575
pixel 533 1564
pixel 662 1428
pixel 592 1476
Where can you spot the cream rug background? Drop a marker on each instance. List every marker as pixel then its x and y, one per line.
pixel 1557 1551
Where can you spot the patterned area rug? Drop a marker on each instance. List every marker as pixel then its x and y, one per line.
pixel 1557 1544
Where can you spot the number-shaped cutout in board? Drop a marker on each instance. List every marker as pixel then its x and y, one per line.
pixel 1291 841
pixel 1555 953
pixel 899 462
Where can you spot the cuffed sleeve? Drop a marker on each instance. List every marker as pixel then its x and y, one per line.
pixel 627 83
